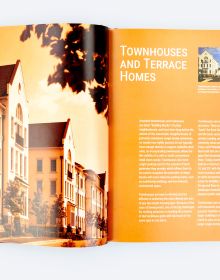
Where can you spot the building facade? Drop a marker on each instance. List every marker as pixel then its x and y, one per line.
pixel 2 113
pixel 14 120
pixel 208 66
pixel 95 195
pixel 40 160
pixel 52 163
pixel 80 198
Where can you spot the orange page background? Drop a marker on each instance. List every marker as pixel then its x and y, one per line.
pixel 173 96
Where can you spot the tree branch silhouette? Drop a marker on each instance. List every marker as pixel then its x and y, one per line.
pixel 83 56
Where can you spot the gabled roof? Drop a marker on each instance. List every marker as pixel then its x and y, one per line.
pixel 5 76
pixel 90 172
pixel 79 166
pixel 47 134
pixel 7 73
pixel 206 51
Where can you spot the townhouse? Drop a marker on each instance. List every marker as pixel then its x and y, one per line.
pixel 208 65
pixel 95 201
pixel 40 159
pixel 52 163
pixel 14 144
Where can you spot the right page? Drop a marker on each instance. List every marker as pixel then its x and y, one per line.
pixel 165 135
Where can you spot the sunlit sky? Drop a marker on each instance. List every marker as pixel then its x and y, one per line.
pixel 51 104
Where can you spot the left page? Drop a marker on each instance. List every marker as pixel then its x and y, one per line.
pixel 54 134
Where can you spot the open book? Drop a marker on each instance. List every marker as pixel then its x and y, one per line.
pixel 108 135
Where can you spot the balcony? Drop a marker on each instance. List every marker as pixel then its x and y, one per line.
pixel 19 140
pixel 69 175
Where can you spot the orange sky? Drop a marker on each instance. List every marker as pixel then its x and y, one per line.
pixel 51 104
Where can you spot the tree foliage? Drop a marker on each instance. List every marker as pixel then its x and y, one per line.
pixel 40 209
pixel 90 219
pixel 13 198
pixel 100 222
pixel 83 58
pixel 58 207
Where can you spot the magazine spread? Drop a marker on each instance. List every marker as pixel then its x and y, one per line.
pixel 108 135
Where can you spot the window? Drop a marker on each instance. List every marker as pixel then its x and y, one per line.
pixel 69 156
pixel 67 190
pixel 19 130
pixel 69 167
pixel 21 165
pixel 77 199
pixel 12 127
pixel 70 191
pixel 52 217
pixel 72 218
pixel 19 126
pixel 25 137
pixel 206 59
pixel 16 162
pixel 53 187
pixel 19 114
pixel 12 159
pixel 91 191
pixel 39 165
pixel 19 88
pixel 77 179
pixel 53 165
pixel 65 194
pixel 39 186
pixel 25 167
pixel 25 210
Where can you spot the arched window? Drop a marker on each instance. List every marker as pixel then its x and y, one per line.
pixel 206 59
pixel 69 156
pixel 69 165
pixel 19 125
pixel 19 114
pixel 19 88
